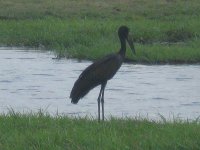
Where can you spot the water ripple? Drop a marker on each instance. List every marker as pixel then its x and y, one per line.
pixel 6 81
pixel 42 74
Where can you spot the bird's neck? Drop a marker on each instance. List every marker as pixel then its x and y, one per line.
pixel 122 50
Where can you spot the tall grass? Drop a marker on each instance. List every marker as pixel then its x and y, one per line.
pixel 41 131
pixel 163 30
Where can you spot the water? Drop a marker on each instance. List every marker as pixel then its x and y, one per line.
pixel 32 81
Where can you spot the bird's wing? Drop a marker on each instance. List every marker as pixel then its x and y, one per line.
pixel 104 69
pixel 95 74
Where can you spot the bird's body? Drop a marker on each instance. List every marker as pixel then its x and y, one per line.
pixel 100 72
pixel 95 74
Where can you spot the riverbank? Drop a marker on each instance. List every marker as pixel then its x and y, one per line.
pixel 41 131
pixel 163 31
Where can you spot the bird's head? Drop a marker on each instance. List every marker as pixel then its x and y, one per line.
pixel 123 33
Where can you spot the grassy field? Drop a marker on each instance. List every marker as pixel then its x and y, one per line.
pixel 41 131
pixel 164 31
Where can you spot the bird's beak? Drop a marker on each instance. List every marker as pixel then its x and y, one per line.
pixel 130 42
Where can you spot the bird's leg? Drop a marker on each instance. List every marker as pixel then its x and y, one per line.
pixel 102 99
pixel 98 100
pixel 102 104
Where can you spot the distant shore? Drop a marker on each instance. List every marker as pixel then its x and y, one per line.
pixel 165 32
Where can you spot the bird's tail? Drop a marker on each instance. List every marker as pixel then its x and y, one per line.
pixel 80 89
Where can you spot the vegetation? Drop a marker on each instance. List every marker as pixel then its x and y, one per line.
pixel 165 31
pixel 41 131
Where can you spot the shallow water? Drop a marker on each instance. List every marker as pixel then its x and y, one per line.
pixel 32 80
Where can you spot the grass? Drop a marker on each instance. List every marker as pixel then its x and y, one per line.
pixel 42 131
pixel 164 31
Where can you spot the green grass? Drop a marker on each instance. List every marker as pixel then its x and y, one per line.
pixel 41 131
pixel 164 31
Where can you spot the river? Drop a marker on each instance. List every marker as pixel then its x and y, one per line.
pixel 32 80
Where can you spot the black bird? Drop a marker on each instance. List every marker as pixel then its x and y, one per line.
pixel 101 71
